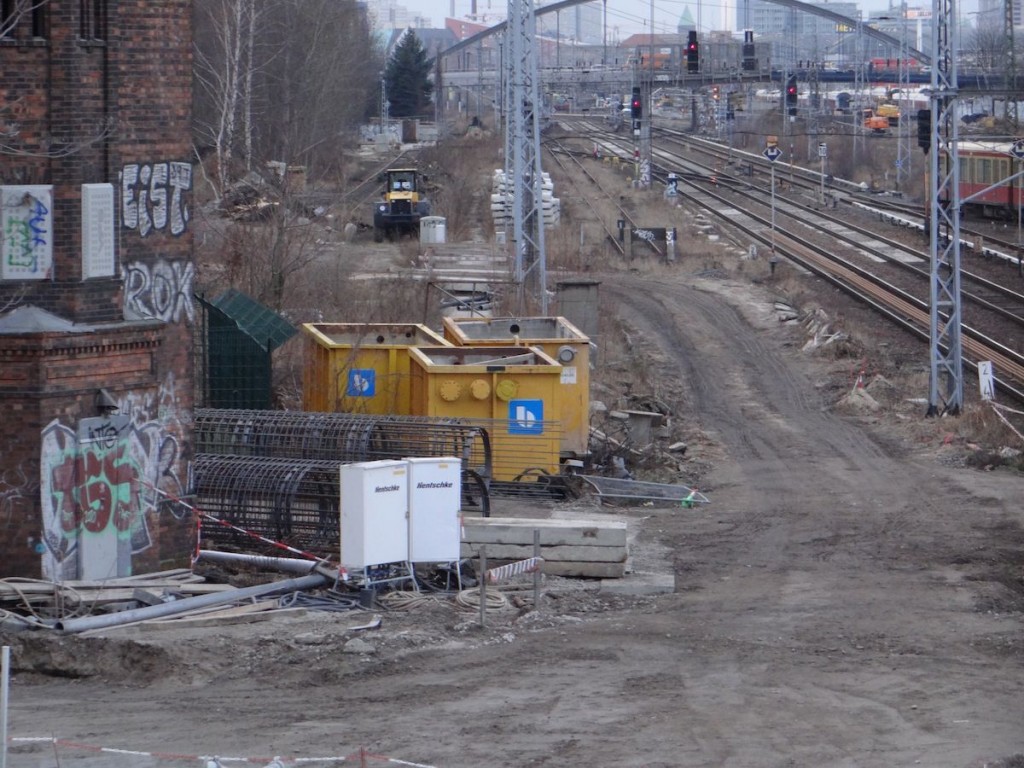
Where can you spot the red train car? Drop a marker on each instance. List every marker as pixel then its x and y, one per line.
pixel 913 65
pixel 985 185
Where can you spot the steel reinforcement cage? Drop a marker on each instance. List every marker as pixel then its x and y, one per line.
pixel 291 501
pixel 345 438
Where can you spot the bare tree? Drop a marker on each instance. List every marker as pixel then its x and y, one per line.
pixel 262 253
pixel 987 44
pixel 223 75
pixel 280 81
pixel 320 82
pixel 279 84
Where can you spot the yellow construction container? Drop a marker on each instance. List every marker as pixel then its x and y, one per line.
pixel 361 367
pixel 511 391
pixel 560 340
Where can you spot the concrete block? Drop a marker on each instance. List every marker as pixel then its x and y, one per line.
pixel 550 554
pixel 490 530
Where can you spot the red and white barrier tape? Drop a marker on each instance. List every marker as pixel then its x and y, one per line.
pixel 207 516
pixel 502 572
pixel 362 754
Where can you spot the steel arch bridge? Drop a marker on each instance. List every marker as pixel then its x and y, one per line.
pixel 857 25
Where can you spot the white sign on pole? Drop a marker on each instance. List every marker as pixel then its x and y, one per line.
pixel 986 380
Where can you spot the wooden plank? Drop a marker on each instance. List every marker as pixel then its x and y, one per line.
pixel 215 621
pixel 115 594
pixel 552 532
pixel 174 573
pixel 45 588
pixel 576 554
pixel 146 597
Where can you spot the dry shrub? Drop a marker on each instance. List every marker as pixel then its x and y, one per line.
pixel 997 444
pixel 394 300
pixel 409 250
pixel 980 422
pixel 287 374
pixel 561 248
pixel 626 365
pixel 460 191
pixel 339 298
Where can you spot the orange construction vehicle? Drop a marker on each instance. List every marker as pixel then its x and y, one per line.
pixel 876 124
pixel 890 112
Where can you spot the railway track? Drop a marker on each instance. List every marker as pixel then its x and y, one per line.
pixel 568 160
pixel 810 182
pixel 890 276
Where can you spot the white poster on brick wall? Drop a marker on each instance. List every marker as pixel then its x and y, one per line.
pixel 26 232
pixel 97 230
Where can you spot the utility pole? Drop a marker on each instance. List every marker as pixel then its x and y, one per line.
pixel 604 36
pixel 946 381
pixel 1011 65
pixel 523 172
pixel 647 89
pixel 904 147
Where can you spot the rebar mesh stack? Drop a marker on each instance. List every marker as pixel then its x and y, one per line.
pixel 346 438
pixel 288 500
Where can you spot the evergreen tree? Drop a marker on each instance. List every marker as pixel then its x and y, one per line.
pixel 407 78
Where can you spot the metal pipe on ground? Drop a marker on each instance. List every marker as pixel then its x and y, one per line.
pixel 85 623
pixel 285 564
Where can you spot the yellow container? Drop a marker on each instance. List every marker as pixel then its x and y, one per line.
pixel 361 367
pixel 511 391
pixel 560 340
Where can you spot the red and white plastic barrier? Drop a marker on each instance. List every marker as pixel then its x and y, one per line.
pixel 502 572
pixel 362 755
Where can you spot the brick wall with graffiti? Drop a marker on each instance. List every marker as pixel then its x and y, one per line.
pixel 96 385
pixel 107 481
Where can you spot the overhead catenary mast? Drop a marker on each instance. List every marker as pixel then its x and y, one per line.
pixel 523 172
pixel 946 381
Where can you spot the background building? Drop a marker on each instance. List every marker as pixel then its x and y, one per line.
pixel 389 14
pixel 797 38
pixel 580 24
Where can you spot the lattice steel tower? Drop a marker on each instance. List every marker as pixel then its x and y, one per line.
pixel 946 385
pixel 1011 65
pixel 904 143
pixel 523 173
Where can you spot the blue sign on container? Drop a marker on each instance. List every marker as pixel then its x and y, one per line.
pixel 525 417
pixel 362 382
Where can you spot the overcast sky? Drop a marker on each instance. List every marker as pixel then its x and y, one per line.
pixel 632 15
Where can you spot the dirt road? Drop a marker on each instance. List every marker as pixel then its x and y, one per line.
pixel 843 602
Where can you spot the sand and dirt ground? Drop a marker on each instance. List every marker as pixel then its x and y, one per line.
pixel 851 597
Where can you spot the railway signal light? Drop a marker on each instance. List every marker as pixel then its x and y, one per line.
pixel 924 129
pixel 715 93
pixel 749 51
pixel 791 94
pixel 791 91
pixel 692 53
pixel 636 106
